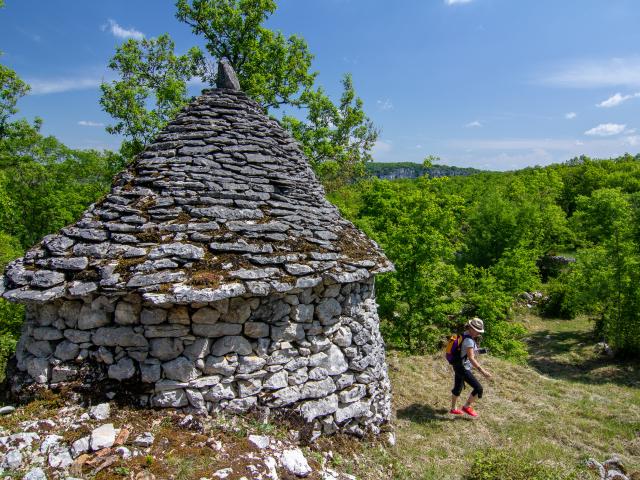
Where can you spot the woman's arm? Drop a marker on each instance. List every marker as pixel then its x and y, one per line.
pixel 472 358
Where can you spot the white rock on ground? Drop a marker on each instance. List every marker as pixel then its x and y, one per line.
pixel 35 474
pixel 80 446
pixel 103 437
pixel 272 471
pixel 50 441
pixel 294 462
pixel 259 441
pixel 23 439
pixel 7 410
pixel 12 460
pixel 223 473
pixel 144 440
pixel 60 457
pixel 124 452
pixel 100 412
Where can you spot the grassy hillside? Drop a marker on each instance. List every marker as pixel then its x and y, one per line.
pixel 567 405
pixel 537 421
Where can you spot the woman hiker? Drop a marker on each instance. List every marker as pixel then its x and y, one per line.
pixel 463 368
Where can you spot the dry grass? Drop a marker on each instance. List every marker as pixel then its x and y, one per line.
pixel 583 407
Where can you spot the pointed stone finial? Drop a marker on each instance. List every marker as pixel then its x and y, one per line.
pixel 227 77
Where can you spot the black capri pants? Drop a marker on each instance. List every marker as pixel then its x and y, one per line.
pixel 463 375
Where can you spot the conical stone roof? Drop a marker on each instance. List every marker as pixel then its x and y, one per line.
pixel 223 204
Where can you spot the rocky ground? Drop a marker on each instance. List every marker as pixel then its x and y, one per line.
pixel 49 439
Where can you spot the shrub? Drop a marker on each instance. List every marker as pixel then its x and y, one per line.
pixel 11 317
pixel 560 301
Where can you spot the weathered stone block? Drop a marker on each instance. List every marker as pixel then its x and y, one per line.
pixel 318 408
pixel 179 315
pixel 90 318
pixel 217 329
pixel 232 344
pixel 180 369
pixel 122 369
pixel 166 348
pixel 206 315
pixel 256 329
pixel 127 313
pixel 153 316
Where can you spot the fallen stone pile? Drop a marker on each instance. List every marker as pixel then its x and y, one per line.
pixel 40 450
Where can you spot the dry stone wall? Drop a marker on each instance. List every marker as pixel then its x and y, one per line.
pixel 317 351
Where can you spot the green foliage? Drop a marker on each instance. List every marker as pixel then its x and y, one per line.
pixel 485 297
pixel 272 69
pixel 503 464
pixel 603 214
pixel 11 89
pixel 149 73
pixel 429 296
pixel 48 185
pixel 418 231
pixel 44 186
pixel 561 298
pixel 515 211
pixel 10 315
pixel 337 139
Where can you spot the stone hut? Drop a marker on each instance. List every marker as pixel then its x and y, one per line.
pixel 213 276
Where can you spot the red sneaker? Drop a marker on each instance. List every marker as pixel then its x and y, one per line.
pixel 470 411
pixel 455 411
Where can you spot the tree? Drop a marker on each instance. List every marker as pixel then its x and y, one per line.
pixel 429 161
pixel 337 139
pixel 12 88
pixel 272 69
pixel 419 231
pixel 150 72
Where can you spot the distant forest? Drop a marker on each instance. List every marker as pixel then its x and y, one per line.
pixel 398 170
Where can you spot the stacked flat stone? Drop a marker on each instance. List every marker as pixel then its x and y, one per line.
pixel 216 275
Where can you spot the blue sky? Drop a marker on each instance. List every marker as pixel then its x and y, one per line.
pixel 496 84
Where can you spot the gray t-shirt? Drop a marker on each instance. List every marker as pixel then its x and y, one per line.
pixel 467 343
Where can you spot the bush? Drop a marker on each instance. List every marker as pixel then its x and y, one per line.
pixel 485 297
pixel 560 301
pixel 11 317
pixel 494 464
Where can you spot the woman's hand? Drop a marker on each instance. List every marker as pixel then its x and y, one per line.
pixel 486 374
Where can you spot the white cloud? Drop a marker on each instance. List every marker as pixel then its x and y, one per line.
pixel 596 74
pixel 633 140
pixel 121 32
pixel 385 104
pixel 418 146
pixel 606 130
pixel 457 2
pixel 381 147
pixel 89 123
pixel 616 100
pixel 570 115
pixel 58 85
pixel 474 124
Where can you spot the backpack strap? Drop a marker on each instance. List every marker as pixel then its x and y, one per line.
pixel 464 335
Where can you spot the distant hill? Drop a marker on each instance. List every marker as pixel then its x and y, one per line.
pixel 393 171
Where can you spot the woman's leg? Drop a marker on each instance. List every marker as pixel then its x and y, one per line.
pixel 475 384
pixel 458 385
